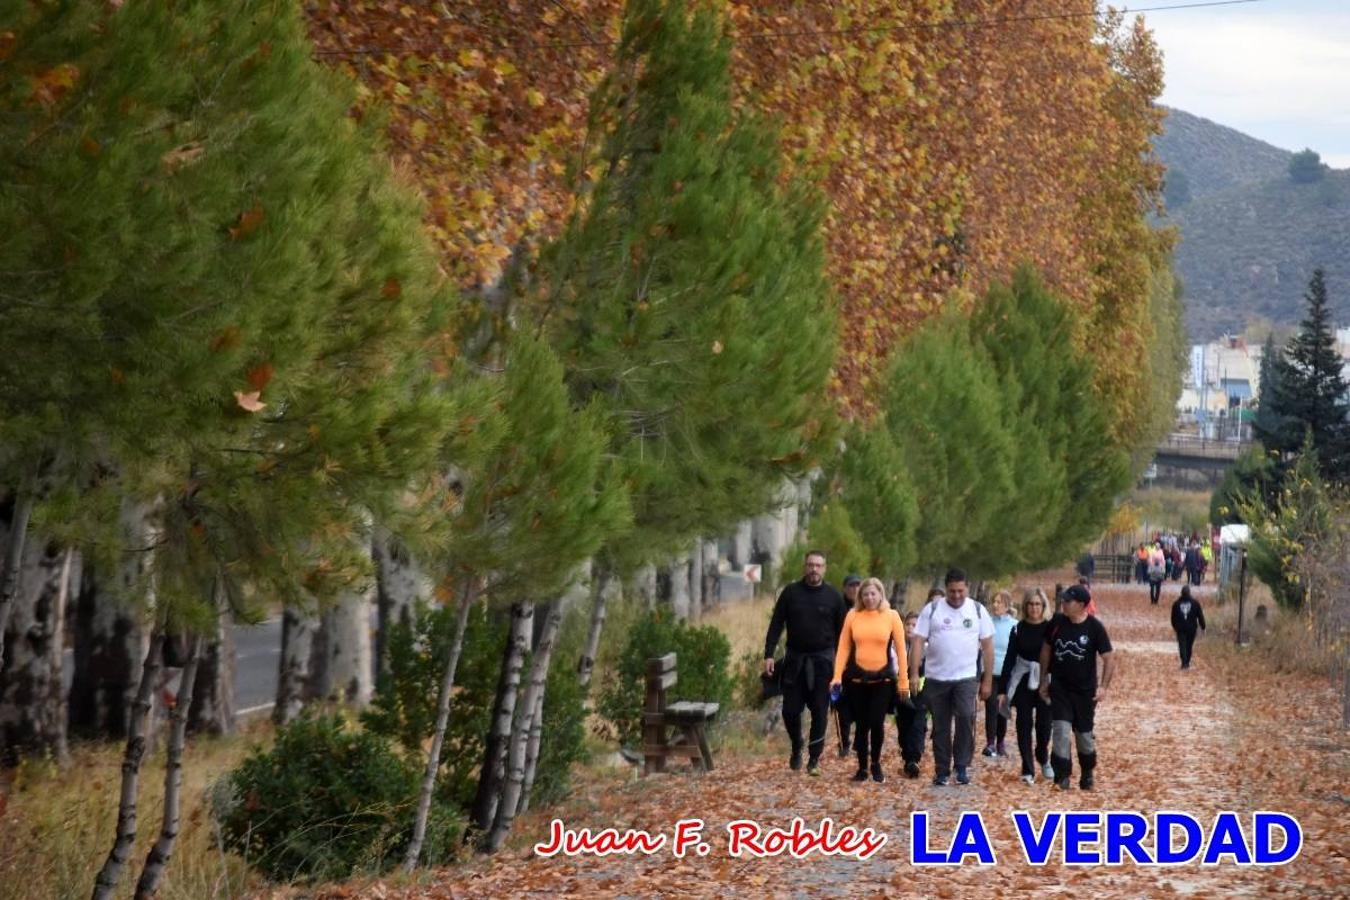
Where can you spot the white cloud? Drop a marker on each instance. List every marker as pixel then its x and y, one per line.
pixel 1271 71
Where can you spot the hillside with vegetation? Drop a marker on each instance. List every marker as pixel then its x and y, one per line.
pixel 1250 234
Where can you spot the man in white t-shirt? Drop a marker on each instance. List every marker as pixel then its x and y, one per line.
pixel 957 631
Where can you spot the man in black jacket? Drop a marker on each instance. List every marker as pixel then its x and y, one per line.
pixel 813 614
pixel 1187 617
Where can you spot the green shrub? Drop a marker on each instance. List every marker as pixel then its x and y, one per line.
pixel 748 691
pixel 327 802
pixel 702 653
pixel 404 707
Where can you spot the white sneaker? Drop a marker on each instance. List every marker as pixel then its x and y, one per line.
pixel 1028 779
pixel 1048 770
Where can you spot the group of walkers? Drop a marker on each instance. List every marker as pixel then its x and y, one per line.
pixel 1170 557
pixel 943 660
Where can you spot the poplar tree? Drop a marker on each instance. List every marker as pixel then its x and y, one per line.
pixel 687 296
pixel 876 489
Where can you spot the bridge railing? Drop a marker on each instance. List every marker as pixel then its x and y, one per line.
pixel 1195 445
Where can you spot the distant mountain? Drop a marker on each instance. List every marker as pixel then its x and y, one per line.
pixel 1250 236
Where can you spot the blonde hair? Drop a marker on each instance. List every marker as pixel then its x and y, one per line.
pixel 881 589
pixel 1035 594
pixel 1007 599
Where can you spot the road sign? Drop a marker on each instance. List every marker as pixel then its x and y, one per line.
pixel 753 573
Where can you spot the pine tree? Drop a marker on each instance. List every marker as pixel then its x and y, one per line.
pixel 876 490
pixel 687 295
pixel 533 499
pixel 943 407
pixel 1270 426
pixel 1311 391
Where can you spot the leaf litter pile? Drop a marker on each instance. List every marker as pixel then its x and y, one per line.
pixel 1225 735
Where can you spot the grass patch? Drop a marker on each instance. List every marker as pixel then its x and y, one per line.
pixel 58 824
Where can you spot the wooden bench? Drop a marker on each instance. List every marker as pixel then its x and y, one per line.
pixel 686 719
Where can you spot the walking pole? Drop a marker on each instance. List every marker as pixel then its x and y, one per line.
pixel 1242 594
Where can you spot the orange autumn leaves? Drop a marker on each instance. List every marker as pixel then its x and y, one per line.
pixel 950 154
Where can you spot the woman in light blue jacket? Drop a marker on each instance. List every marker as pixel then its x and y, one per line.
pixel 996 725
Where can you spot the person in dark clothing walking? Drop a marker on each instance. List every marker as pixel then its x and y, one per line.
pixel 843 708
pixel 1073 641
pixel 1020 681
pixel 813 613
pixel 1187 617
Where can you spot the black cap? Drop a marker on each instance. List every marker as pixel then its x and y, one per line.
pixel 1077 593
pixel 852 579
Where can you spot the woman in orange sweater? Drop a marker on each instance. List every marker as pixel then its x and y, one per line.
pixel 871 658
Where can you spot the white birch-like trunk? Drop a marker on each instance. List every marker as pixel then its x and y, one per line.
pixel 678 574
pixel 428 788
pixel 341 666
pixel 696 581
pixel 12 561
pixel 32 691
pixel 212 702
pixel 531 702
pixel 599 605
pixel 298 628
pixel 399 583
pixel 106 882
pixel 493 773
pixel 532 754
pixel 162 850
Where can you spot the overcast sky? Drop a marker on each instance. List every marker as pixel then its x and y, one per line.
pixel 1278 70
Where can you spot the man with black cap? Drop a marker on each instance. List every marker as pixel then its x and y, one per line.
pixel 1073 641
pixel 843 710
pixel 813 614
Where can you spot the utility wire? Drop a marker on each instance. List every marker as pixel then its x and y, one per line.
pixel 836 32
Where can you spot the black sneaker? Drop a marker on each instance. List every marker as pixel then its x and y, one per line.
pixel 795 760
pixel 1085 783
pixel 843 751
pixel 1063 784
pixel 813 767
pixel 989 750
pixel 860 775
pixel 911 770
pixel 940 780
pixel 962 776
pixel 877 774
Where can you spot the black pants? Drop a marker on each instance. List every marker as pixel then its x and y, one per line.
pixel 912 725
pixel 844 710
pixel 1029 707
pixel 871 700
pixel 1154 591
pixel 995 726
pixel 809 690
pixel 1185 643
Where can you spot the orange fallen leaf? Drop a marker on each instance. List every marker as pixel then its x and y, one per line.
pixel 248 222
pixel 182 155
pixel 259 376
pixel 392 289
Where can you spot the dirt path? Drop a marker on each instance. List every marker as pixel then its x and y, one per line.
pixel 1168 740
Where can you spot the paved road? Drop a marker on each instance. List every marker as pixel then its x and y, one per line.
pixel 257 649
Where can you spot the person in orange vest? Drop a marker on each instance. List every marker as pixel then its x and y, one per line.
pixel 871 657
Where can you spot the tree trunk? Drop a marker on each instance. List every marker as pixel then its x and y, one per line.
pixel 643 583
pixel 428 789
pixel 493 773
pixel 109 640
pixel 341 668
pixel 212 706
pixel 599 602
pixel 162 851
pixel 532 753
pixel 32 691
pixel 696 582
pixel 742 544
pixel 12 561
pixel 710 589
pixel 678 597
pixel 399 583
pixel 531 703
pixel 131 771
pixel 297 649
